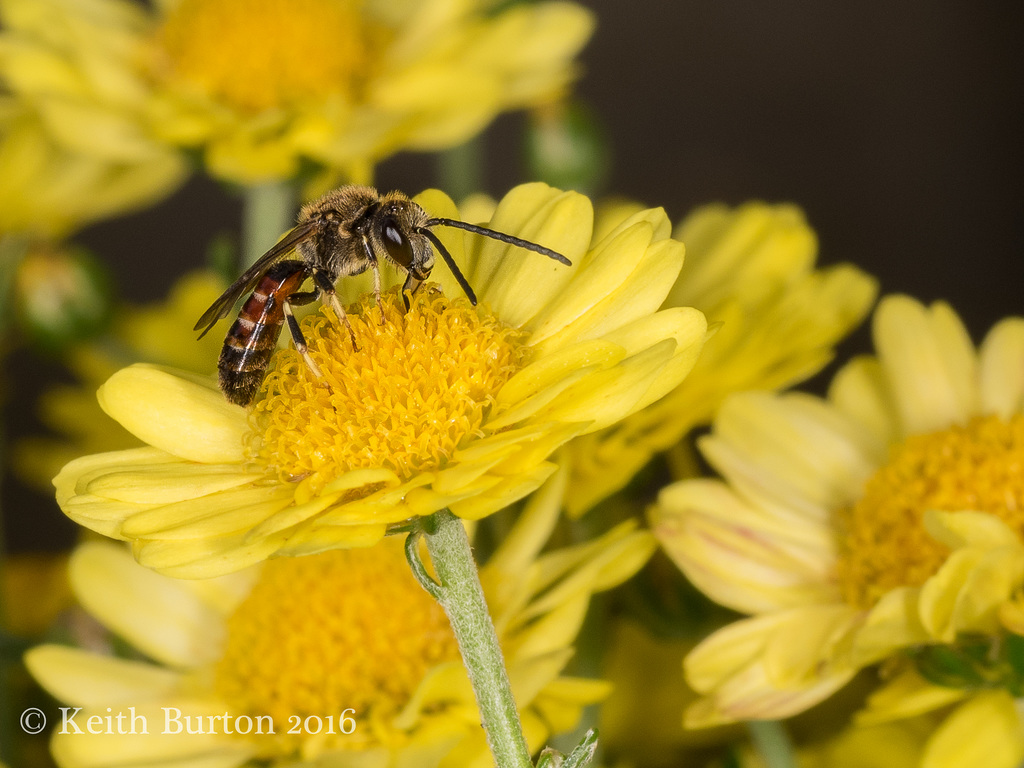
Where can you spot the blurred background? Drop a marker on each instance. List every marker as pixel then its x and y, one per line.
pixel 896 126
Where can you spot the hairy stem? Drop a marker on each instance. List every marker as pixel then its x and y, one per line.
pixel 460 594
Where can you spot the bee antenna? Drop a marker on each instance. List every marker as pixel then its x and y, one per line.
pixel 500 236
pixel 450 262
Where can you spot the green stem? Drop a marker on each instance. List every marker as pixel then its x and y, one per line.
pixel 772 743
pixel 269 210
pixel 462 598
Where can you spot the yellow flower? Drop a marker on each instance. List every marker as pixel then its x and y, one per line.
pixel 260 86
pixel 346 640
pixel 446 406
pixel 48 188
pixel 955 728
pixel 827 525
pixel 751 270
pixel 159 333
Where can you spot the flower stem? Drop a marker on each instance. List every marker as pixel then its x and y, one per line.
pixel 268 211
pixel 462 598
pixel 772 743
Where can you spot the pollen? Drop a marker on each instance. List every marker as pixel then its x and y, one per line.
pixel 417 385
pixel 319 635
pixel 979 466
pixel 262 54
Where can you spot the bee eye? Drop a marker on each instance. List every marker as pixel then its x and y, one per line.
pixel 396 242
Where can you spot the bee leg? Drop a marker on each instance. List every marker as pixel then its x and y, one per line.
pixel 376 290
pixel 299 339
pixel 371 258
pixel 325 285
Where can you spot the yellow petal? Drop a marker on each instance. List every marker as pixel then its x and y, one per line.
pixel 906 695
pixel 193 421
pixel 163 483
pixel 1000 373
pixel 959 529
pixel 984 731
pixel 929 363
pixel 524 282
pixel 159 616
pixel 208 515
pixel 160 745
pixel 892 624
pixel 207 557
pixel 84 679
pixel 740 557
pixel 605 397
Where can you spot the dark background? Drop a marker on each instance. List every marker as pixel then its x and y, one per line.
pixel 896 126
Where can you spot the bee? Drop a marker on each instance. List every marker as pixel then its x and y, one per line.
pixel 344 233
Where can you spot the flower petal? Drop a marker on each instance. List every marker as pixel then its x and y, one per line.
pixel 84 679
pixel 160 616
pixel 1000 370
pixel 739 556
pixel 193 421
pixel 929 363
pixel 983 731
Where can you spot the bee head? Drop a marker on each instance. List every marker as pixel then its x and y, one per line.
pixel 397 230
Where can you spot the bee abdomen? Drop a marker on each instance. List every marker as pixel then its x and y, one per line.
pixel 251 341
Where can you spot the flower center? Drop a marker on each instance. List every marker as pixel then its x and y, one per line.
pixel 979 467
pixel 346 629
pixel 261 54
pixel 416 387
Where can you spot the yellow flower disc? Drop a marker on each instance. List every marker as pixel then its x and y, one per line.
pixel 979 467
pixel 418 384
pixel 346 629
pixel 261 54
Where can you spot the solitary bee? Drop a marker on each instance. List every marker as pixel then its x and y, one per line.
pixel 344 233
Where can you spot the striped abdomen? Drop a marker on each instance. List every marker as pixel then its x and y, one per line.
pixel 253 336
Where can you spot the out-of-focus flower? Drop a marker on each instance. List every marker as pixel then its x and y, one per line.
pixel 644 716
pixel 344 641
pixel 884 518
pixel 890 745
pixel 444 406
pixel 260 87
pixel 33 591
pixel 50 187
pixel 954 727
pixel 751 270
pixel 566 147
pixel 62 296
pixel 160 333
pixel 913 724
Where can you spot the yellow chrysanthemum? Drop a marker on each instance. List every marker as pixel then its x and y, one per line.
pixel 344 641
pixel 49 188
pixel 260 86
pixel 828 525
pixel 446 406
pixel 751 270
pixel 159 333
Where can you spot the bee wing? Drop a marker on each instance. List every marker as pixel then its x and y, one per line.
pixel 221 308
